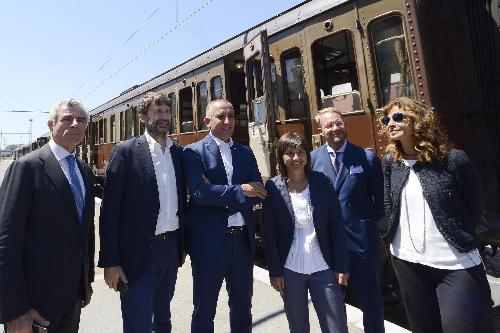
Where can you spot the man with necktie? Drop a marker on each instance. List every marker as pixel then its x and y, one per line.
pixel 358 180
pixel 224 183
pixel 47 230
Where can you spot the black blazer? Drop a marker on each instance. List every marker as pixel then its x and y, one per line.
pixel 130 206
pixel 451 187
pixel 279 224
pixel 46 255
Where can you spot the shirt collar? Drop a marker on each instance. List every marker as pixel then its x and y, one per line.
pixel 59 152
pixel 220 142
pixel 340 150
pixel 153 145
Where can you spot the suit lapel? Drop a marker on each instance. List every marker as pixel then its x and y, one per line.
pixel 314 197
pixel 283 188
pixel 55 173
pixel 344 167
pixel 213 148
pixel 177 161
pixel 327 163
pixel 236 159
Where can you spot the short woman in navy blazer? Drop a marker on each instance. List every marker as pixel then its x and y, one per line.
pixel 305 239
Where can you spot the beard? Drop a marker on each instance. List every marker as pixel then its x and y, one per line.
pixel 158 127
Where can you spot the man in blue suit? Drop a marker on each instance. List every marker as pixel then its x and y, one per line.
pixel 224 183
pixel 357 176
pixel 141 221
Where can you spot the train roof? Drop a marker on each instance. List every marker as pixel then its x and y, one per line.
pixel 280 22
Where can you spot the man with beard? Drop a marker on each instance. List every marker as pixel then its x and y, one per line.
pixel 357 176
pixel 141 221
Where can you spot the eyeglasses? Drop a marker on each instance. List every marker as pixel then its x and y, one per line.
pixel 396 117
pixel 338 123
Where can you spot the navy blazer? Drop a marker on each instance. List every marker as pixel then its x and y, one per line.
pixel 211 204
pixel 46 254
pixel 279 224
pixel 360 190
pixel 130 206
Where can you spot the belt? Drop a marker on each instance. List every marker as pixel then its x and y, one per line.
pixel 236 230
pixel 164 235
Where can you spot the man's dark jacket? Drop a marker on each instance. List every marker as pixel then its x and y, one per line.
pixel 131 204
pixel 46 255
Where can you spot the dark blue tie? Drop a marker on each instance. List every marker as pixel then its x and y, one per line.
pixel 75 185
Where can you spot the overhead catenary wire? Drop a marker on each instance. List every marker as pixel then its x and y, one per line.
pixel 20 101
pixel 116 51
pixel 143 51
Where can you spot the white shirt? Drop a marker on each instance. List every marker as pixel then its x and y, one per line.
pixel 436 251
pixel 339 154
pixel 167 186
pixel 60 153
pixel 234 220
pixel 305 256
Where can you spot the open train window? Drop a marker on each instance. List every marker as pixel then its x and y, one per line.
pixel 186 109
pixel 129 123
pixel 216 88
pixel 122 125
pixel 202 99
pixel 173 109
pixel 336 72
pixel 391 58
pixel 257 111
pixel 294 84
pixel 100 136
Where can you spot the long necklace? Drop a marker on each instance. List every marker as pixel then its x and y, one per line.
pixel 408 223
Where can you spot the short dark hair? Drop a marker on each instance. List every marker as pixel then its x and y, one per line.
pixel 153 97
pixel 290 141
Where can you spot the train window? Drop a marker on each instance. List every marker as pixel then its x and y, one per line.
pixel 216 88
pixel 335 72
pixel 129 123
pixel 256 111
pixel 294 84
pixel 135 119
pixel 173 109
pixel 202 98
pixel 105 130
pixel 122 125
pixel 100 138
pixel 391 58
pixel 186 110
pixel 112 127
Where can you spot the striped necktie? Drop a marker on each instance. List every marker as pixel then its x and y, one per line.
pixel 335 161
pixel 75 185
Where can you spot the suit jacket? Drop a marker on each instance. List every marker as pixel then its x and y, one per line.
pixel 279 224
pixel 360 189
pixel 130 206
pixel 211 204
pixel 46 255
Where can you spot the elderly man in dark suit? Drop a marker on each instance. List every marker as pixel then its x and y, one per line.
pixel 224 183
pixel 47 230
pixel 358 180
pixel 141 221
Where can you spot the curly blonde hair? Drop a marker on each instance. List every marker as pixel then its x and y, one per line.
pixel 431 139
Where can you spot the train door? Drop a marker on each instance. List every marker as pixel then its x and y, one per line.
pixel 337 73
pixel 261 118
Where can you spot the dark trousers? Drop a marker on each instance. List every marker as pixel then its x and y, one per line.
pixel 326 296
pixel 67 323
pixel 146 305
pixel 439 300
pixel 236 267
pixel 363 282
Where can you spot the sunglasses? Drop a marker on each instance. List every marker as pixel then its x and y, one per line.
pixel 396 117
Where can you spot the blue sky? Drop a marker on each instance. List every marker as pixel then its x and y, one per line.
pixel 51 49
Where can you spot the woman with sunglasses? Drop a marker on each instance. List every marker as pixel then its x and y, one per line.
pixel 305 240
pixel 433 201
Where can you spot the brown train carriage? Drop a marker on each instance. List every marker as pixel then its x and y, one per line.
pixel 354 55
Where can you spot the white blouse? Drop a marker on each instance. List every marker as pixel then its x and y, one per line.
pixel 418 239
pixel 305 255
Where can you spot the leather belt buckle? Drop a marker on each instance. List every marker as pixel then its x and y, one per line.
pixel 164 235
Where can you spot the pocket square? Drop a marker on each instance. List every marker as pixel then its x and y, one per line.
pixel 355 169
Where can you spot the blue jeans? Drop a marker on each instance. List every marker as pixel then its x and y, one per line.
pixel 146 305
